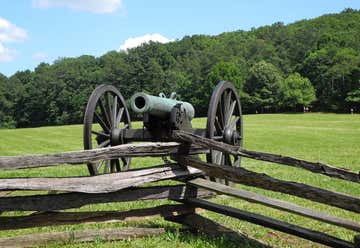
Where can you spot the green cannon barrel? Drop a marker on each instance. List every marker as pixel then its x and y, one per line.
pixel 158 106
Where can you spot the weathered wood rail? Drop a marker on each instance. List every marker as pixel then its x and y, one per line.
pixel 64 201
pixel 86 156
pixel 69 218
pixel 188 169
pixel 100 184
pixel 108 234
pixel 272 223
pixel 274 203
pixel 250 178
pixel 315 167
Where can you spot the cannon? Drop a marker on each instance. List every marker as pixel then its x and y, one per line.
pixel 107 122
pixel 162 114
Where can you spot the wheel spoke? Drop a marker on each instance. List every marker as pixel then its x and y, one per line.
pixel 115 111
pixel 237 161
pixel 233 123
pixel 107 167
pixel 125 160
pixel 224 104
pixel 230 113
pixel 108 105
pixel 119 115
pixel 218 126
pixel 118 167
pixel 223 96
pixel 104 113
pixel 223 108
pixel 217 156
pixel 103 144
pixel 113 165
pixel 221 160
pixel 99 165
pixel 228 103
pixel 227 160
pixel 100 134
pixel 213 156
pixel 220 114
pixel 101 122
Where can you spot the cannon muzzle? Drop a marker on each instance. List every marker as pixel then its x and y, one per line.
pixel 159 106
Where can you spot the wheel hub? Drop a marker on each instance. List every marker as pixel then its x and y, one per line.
pixel 116 136
pixel 231 136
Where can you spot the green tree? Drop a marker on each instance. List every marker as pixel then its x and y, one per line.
pixel 228 71
pixel 6 106
pixel 335 72
pixel 295 92
pixel 353 98
pixel 263 87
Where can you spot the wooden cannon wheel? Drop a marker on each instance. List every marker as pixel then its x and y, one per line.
pixel 105 117
pixel 224 123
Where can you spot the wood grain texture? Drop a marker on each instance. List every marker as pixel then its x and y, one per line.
pixel 69 218
pixel 274 203
pixel 64 201
pixel 315 167
pixel 258 219
pixel 79 157
pixel 261 180
pixel 79 236
pixel 102 183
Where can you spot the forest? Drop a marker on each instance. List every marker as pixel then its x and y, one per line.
pixel 276 68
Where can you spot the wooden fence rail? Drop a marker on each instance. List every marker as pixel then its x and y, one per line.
pixel 100 184
pixel 268 157
pixel 108 234
pixel 312 235
pixel 274 203
pixel 250 178
pixel 64 201
pixel 100 154
pixel 70 218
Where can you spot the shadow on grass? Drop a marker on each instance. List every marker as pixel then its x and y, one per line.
pixel 220 240
pixel 208 237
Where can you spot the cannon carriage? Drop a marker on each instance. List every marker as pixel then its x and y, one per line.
pixel 107 123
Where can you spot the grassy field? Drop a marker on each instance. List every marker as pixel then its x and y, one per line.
pixel 329 138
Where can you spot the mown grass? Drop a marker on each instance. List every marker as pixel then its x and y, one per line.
pixel 329 138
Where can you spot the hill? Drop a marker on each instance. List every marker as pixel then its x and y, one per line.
pixel 275 68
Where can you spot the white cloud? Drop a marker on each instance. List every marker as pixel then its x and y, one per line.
pixel 7 55
pixel 40 55
pixel 9 33
pixel 94 6
pixel 137 41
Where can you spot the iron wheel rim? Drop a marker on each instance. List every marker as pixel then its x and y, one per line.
pixel 224 115
pixel 107 108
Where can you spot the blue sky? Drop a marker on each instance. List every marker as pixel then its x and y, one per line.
pixel 32 31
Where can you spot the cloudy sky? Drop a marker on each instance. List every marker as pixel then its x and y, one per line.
pixel 34 31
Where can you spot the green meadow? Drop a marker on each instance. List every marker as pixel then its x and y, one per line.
pixel 329 138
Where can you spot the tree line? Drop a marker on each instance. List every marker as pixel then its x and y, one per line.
pixel 275 68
